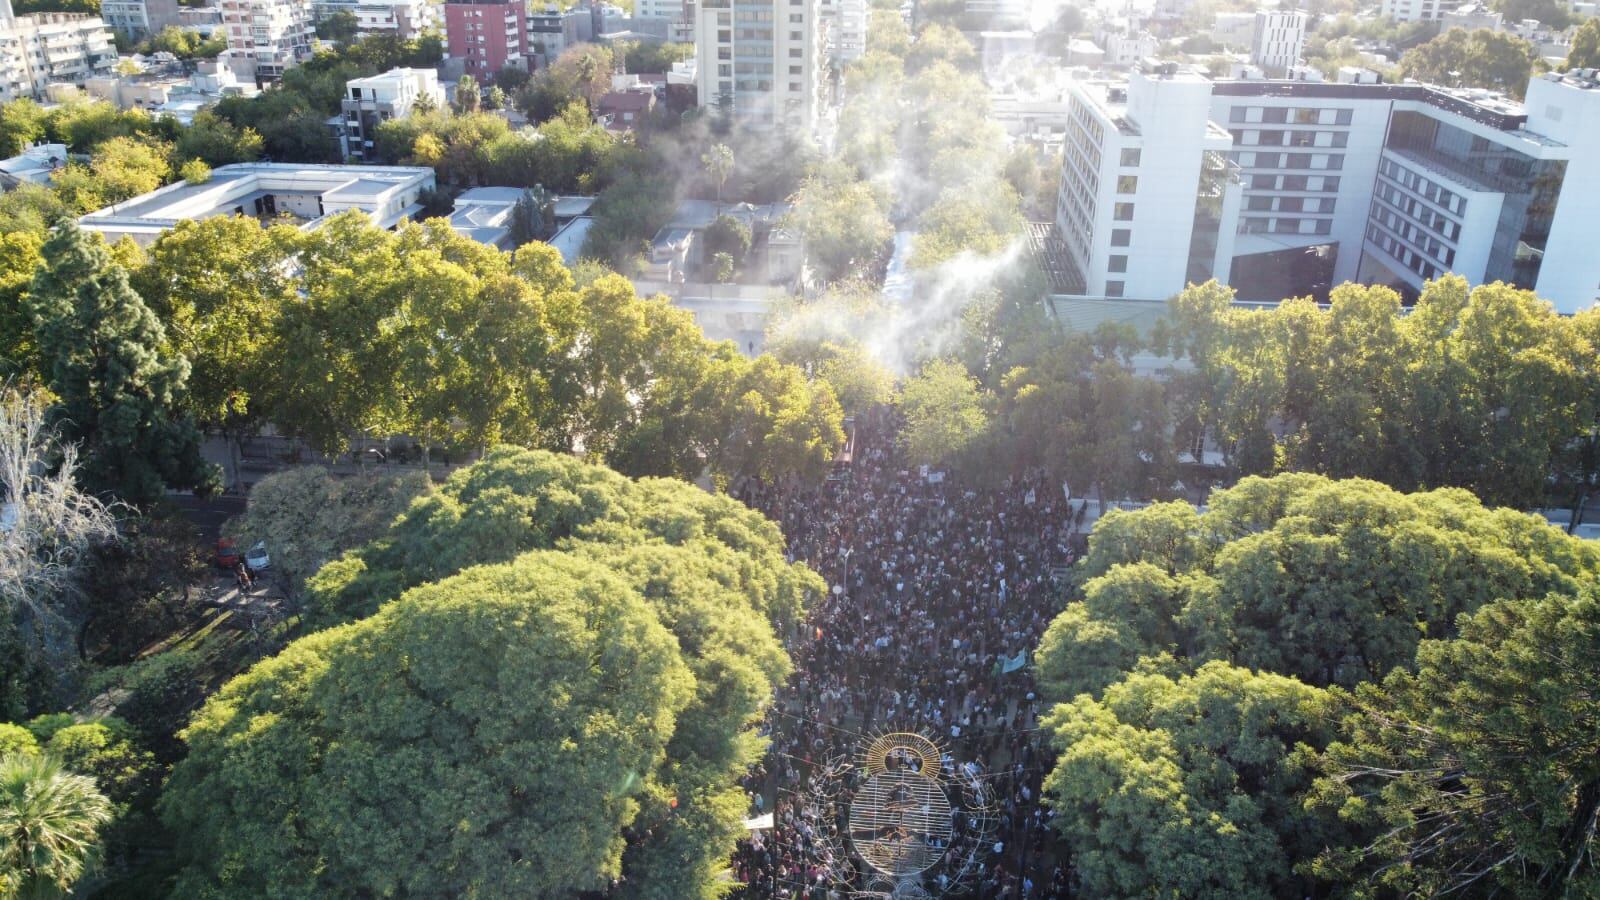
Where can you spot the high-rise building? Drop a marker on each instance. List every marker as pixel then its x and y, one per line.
pixel 846 22
pixel 488 35
pixel 1326 182
pixel 761 61
pixel 51 48
pixel 268 36
pixel 1278 40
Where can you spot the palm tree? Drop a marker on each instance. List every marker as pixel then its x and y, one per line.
pixel 48 822
pixel 719 165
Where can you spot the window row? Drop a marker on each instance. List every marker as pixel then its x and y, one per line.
pixel 1413 235
pixel 1429 190
pixel 1315 183
pixel 1274 138
pixel 1419 212
pixel 1255 225
pixel 1261 203
pixel 1406 256
pixel 1284 115
pixel 1281 160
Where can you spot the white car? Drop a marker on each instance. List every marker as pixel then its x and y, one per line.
pixel 256 559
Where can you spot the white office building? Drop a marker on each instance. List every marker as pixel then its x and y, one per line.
pixel 268 37
pixel 273 192
pixel 42 49
pixel 1327 182
pixel 369 102
pixel 1415 10
pixel 1278 40
pixel 762 61
pixel 1145 184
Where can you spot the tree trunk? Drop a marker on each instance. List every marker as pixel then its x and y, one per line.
pixel 1580 835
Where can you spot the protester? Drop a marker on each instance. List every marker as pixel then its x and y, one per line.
pixel 939 593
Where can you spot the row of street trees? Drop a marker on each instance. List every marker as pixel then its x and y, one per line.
pixel 1487 389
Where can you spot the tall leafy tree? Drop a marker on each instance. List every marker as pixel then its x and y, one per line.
pixel 120 389
pixel 1481 58
pixel 943 407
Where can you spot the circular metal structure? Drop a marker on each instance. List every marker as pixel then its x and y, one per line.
pixel 900 816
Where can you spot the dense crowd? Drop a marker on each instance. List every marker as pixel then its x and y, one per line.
pixel 939 594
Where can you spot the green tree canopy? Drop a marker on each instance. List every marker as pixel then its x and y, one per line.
pixel 1186 786
pixel 705 569
pixel 1333 582
pixel 119 389
pixel 49 820
pixel 1481 769
pixel 943 408
pixel 1481 58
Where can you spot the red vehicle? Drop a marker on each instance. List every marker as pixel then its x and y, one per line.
pixel 227 554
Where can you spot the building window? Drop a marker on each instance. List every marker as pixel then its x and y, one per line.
pixel 1275 115
pixel 1118 263
pixel 1343 117
pixel 1127 184
pixel 1236 114
pixel 1121 237
pixel 1130 156
pixel 1122 212
pixel 1114 288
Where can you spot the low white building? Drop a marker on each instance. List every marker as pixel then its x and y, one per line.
pixel 34 165
pixel 485 215
pixel 1414 10
pixel 403 18
pixel 51 48
pixel 304 194
pixel 369 102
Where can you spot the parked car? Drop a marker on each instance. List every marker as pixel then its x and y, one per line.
pixel 227 554
pixel 257 560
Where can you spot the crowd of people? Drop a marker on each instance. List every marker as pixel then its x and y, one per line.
pixel 938 596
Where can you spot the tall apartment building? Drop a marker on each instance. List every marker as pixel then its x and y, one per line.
pixel 1414 10
pixel 269 36
pixel 762 60
pixel 369 102
pixel 846 22
pixel 487 35
pixel 1278 40
pixel 138 19
pixel 554 29
pixel 1344 181
pixel 50 48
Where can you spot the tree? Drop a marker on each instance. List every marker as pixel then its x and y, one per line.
pixel 1188 786
pixel 51 528
pixel 843 222
pixel 1333 582
pixel 22 124
pixel 1480 770
pixel 1585 50
pixel 216 142
pixel 533 218
pixel 339 27
pixel 126 167
pixel 728 236
pixel 944 415
pixel 219 287
pixel 48 823
pixel 656 622
pixel 1548 12
pixel 308 518
pixel 195 172
pixel 718 162
pixel 467 99
pixel 1481 58
pixel 19 258
pixel 107 751
pixel 120 390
